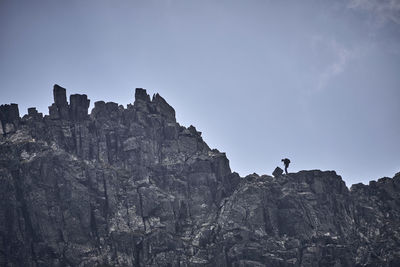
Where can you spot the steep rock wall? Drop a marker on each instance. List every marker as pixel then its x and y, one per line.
pixel 131 187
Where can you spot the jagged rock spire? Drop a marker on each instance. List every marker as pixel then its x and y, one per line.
pixel 77 109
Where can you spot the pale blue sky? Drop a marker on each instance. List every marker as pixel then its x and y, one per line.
pixel 315 81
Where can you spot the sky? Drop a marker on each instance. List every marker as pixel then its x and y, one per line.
pixel 315 81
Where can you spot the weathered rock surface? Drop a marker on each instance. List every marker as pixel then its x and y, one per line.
pixel 131 187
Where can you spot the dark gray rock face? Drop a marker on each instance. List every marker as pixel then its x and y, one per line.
pixel 131 187
pixel 9 117
pixel 59 109
pixel 79 107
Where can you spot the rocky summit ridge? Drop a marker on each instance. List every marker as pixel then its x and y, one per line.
pixel 131 187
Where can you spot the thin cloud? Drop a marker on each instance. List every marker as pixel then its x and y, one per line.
pixel 338 66
pixel 341 58
pixel 383 10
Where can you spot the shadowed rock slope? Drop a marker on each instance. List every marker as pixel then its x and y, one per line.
pixel 131 187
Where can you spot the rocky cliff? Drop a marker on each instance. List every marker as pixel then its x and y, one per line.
pixel 131 187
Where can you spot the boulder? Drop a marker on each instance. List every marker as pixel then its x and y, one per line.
pixel 277 172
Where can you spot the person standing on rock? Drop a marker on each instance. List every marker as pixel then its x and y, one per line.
pixel 286 161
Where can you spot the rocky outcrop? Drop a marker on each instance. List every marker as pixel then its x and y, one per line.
pixel 79 107
pixel 59 109
pixel 377 217
pixel 132 187
pixel 9 117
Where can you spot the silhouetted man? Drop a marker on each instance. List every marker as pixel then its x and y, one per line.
pixel 286 161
